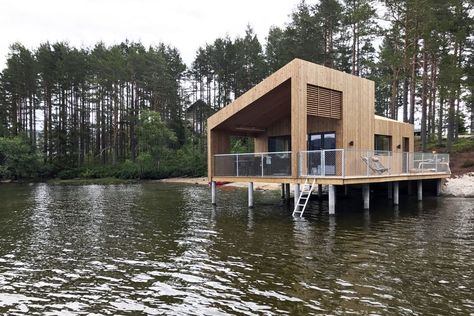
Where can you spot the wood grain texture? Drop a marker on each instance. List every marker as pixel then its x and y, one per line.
pixel 323 102
pixel 300 98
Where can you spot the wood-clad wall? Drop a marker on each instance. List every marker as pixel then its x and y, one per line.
pixel 281 128
pixel 358 97
pixel 218 142
pixel 397 130
pixel 355 120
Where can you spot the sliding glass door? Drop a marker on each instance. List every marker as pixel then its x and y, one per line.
pixel 318 162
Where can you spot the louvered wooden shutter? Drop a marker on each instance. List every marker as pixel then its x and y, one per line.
pixel 324 102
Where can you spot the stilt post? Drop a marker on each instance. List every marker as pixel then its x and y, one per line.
pixel 320 191
pixel 287 192
pixel 296 192
pixel 390 190
pixel 332 199
pixel 396 192
pixel 420 190
pixel 439 186
pixel 282 191
pixel 213 192
pixel 250 193
pixel 366 195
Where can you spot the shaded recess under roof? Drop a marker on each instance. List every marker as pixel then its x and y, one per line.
pixel 262 113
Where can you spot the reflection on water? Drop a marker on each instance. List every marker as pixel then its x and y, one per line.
pixel 163 249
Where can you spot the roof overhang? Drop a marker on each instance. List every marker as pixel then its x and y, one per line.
pixel 260 107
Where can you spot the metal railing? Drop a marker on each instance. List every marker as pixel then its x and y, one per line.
pixel 268 164
pixel 321 163
pixel 340 163
pixel 427 162
pixel 368 163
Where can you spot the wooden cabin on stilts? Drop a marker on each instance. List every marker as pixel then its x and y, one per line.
pixel 315 126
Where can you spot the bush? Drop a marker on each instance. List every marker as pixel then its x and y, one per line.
pixel 18 159
pixel 463 145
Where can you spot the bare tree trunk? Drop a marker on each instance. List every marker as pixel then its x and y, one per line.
pixel 452 109
pixel 405 99
pixel 393 98
pixel 434 72
pixel 413 82
pixel 423 100
pixel 472 112
pixel 413 88
pixel 440 120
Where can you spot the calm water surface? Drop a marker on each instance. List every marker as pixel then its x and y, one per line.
pixel 162 249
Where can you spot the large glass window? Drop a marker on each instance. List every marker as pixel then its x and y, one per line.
pixel 279 143
pixel 383 143
pixel 321 141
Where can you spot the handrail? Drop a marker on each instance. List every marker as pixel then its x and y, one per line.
pixel 256 153
pixel 334 163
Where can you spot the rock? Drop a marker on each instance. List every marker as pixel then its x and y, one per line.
pixel 462 186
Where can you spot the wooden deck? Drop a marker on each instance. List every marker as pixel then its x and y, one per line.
pixel 337 180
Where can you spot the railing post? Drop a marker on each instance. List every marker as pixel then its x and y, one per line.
pixel 422 162
pixel 435 156
pixel 368 162
pixel 237 159
pixel 390 162
pixel 323 163
pixel 407 158
pixel 298 161
pixel 343 162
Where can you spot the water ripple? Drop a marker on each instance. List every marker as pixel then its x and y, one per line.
pixel 162 249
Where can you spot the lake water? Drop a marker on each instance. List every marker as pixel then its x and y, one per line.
pixel 156 248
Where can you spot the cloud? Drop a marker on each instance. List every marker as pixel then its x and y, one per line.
pixel 183 24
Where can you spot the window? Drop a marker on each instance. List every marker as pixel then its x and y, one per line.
pixel 279 143
pixel 383 143
pixel 319 141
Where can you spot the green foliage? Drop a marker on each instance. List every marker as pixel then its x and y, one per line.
pixel 463 145
pixel 241 145
pixel 154 137
pixel 18 159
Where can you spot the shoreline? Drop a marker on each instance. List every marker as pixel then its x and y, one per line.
pixel 456 186
pixel 204 181
pixel 459 186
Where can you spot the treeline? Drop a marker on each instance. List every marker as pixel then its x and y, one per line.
pixel 93 106
pixel 422 64
pixel 129 106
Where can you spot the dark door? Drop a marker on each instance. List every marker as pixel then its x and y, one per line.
pixel 322 141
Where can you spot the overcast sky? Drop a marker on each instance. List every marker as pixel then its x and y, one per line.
pixel 183 24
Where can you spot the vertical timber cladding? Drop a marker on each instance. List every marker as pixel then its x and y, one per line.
pixel 324 102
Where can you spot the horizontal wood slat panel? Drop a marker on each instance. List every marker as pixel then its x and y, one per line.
pixel 324 102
